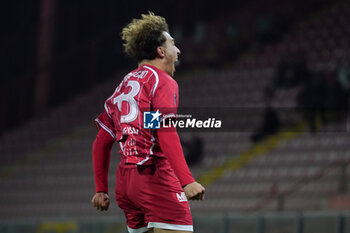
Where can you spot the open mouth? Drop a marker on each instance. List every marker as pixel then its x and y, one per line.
pixel 177 62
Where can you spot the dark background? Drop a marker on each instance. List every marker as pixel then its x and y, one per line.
pixel 53 50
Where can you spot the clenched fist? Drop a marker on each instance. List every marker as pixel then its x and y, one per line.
pixel 194 191
pixel 100 201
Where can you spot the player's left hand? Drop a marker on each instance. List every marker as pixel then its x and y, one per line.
pixel 100 201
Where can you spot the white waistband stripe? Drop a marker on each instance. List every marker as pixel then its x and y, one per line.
pixel 168 226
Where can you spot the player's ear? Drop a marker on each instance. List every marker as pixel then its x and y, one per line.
pixel 161 51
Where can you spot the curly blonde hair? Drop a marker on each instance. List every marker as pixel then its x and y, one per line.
pixel 142 36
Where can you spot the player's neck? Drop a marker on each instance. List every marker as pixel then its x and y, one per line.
pixel 156 63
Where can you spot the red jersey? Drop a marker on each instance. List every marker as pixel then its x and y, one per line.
pixel 145 89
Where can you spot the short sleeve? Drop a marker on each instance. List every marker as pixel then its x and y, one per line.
pixel 103 121
pixel 165 98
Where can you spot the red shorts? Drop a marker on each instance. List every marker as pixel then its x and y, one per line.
pixel 151 196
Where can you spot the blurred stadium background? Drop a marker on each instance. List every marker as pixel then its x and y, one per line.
pixel 288 60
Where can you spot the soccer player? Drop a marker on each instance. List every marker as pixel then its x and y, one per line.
pixel 153 179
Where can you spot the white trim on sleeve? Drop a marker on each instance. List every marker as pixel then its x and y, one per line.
pixel 139 230
pixel 168 226
pixel 155 75
pixel 107 110
pixel 105 128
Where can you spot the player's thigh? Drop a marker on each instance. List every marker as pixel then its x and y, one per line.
pixel 157 230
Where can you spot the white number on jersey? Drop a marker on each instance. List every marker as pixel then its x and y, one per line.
pixel 130 99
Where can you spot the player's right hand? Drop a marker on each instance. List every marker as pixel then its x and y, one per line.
pixel 100 201
pixel 194 191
